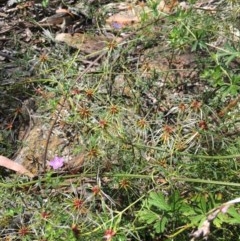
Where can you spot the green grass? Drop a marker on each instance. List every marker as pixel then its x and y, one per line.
pixel 155 163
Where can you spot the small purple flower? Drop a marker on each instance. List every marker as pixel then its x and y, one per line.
pixel 56 162
pixel 116 25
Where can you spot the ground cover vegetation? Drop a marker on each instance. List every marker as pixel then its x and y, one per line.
pixel 149 124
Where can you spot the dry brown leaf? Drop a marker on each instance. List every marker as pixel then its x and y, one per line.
pixel 3 15
pixel 167 6
pixel 56 19
pixel 5 162
pixel 86 43
pixel 66 11
pixel 124 18
pixel 28 34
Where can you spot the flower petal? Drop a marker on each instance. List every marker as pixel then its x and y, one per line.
pixel 56 162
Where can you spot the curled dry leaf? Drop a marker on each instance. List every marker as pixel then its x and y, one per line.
pixel 88 44
pixel 5 162
pixel 57 20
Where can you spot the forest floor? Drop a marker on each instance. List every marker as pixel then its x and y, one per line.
pixel 119 120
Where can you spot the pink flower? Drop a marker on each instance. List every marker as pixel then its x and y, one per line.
pixel 56 162
pixel 224 208
pixel 109 234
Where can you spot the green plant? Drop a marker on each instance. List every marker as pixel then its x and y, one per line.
pixel 45 3
pixel 158 150
pixel 223 75
pixel 175 216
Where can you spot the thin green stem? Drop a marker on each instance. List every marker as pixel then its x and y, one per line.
pixel 183 179
pixel 216 157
